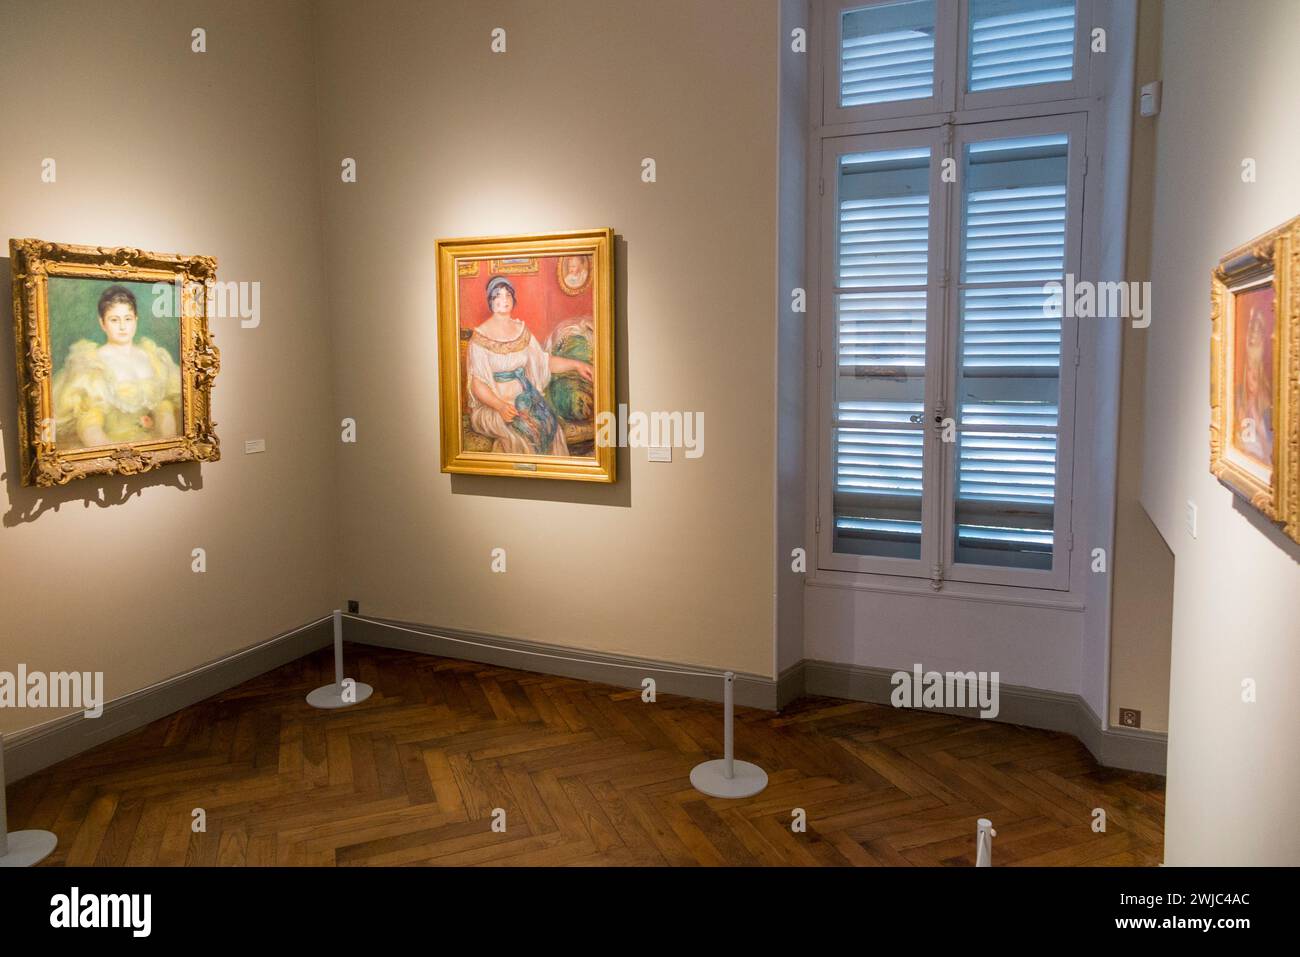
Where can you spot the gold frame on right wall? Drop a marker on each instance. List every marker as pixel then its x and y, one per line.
pixel 1255 447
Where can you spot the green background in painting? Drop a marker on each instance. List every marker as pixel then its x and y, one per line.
pixel 74 315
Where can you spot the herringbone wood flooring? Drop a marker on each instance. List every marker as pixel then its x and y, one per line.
pixel 587 774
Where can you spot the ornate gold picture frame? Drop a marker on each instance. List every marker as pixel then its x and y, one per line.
pixel 1255 374
pixel 526 370
pixel 115 361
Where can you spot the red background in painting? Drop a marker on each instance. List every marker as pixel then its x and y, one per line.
pixel 539 301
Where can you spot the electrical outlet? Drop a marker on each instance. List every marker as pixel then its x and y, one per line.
pixel 1130 718
pixel 354 607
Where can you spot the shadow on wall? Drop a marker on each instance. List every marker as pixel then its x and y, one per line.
pixel 1268 529
pixel 28 503
pixel 618 494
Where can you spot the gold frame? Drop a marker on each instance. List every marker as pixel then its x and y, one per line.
pixel 597 243
pixel 33 262
pixel 1273 257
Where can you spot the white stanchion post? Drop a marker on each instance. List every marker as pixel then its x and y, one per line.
pixel 729 723
pixel 338 647
pixel 984 835
pixel 344 692
pixel 727 777
pixel 21 848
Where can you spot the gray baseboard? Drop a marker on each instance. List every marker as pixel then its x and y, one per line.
pixel 1051 710
pixel 790 684
pixel 36 748
pixel 1127 748
pixel 39 747
pixel 622 671
pixel 1033 707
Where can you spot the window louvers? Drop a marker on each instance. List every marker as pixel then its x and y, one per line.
pixel 1020 43
pixel 883 243
pixel 887 53
pixel 1012 236
pixel 881 277
pixel 936 286
pixel 1013 243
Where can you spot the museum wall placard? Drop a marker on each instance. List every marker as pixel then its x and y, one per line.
pixel 497 119
pixel 1226 173
pixel 125 128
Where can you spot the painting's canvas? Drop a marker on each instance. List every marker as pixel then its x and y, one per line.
pixel 115 349
pixel 1253 327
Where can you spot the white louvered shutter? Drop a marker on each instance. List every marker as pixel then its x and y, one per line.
pixel 1013 243
pixel 1016 43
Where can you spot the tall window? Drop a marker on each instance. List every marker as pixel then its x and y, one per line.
pixel 948 395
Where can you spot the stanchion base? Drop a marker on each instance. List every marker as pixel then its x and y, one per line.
pixel 28 847
pixel 710 778
pixel 331 696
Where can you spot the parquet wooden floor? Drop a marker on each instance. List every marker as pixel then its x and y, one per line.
pixel 587 774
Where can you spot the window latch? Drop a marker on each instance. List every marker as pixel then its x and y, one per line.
pixel 940 413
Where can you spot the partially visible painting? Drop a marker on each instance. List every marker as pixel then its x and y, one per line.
pixel 525 332
pixel 115 363
pixel 1255 374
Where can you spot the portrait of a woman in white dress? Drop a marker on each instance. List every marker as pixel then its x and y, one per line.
pixel 120 391
pixel 507 372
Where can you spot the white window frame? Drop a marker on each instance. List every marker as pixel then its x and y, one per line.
pixel 855 129
pixel 943 330
pixel 1074 125
pixel 951 46
pixel 1070 89
pixel 945 48
pixel 931 505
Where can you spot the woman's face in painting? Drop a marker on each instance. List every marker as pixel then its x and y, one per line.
pixel 502 302
pixel 118 323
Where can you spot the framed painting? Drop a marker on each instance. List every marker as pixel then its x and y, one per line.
pixel 526 354
pixel 1255 374
pixel 115 362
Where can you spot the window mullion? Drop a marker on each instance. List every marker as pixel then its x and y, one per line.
pixel 938 332
pixel 949 337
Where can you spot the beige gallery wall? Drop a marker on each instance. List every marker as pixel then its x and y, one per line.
pixel 1230 74
pixel 451 139
pixel 165 149
pixel 1143 569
